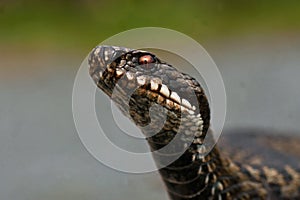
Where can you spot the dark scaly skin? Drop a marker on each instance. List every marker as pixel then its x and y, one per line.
pixel 196 174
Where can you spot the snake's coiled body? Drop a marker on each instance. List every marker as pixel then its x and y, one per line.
pixel 137 81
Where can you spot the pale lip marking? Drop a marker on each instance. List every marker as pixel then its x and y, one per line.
pixel 184 104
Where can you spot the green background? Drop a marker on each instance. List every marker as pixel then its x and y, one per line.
pixel 78 24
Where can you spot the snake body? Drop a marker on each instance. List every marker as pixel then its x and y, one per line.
pixel 138 80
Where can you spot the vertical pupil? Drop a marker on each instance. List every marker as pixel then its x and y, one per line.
pixel 146 59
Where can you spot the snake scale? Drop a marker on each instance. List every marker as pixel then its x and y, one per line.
pixel 259 167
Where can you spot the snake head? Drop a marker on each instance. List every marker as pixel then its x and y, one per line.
pixel 142 79
pixel 109 63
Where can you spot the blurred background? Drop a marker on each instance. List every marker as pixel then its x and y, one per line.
pixel 256 45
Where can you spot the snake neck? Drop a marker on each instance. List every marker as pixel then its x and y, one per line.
pixel 200 175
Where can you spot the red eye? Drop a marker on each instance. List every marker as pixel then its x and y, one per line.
pixel 146 59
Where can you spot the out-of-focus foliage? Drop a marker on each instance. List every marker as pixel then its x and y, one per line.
pixel 84 23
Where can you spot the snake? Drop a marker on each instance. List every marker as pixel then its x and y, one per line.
pixel 168 105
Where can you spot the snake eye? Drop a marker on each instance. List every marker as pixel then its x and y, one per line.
pixel 146 59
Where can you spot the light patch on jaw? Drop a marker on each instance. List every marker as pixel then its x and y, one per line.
pixel 165 90
pixel 154 85
pixel 186 110
pixel 173 100
pixel 141 80
pixel 130 76
pixel 174 96
pixel 119 73
pixel 187 104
